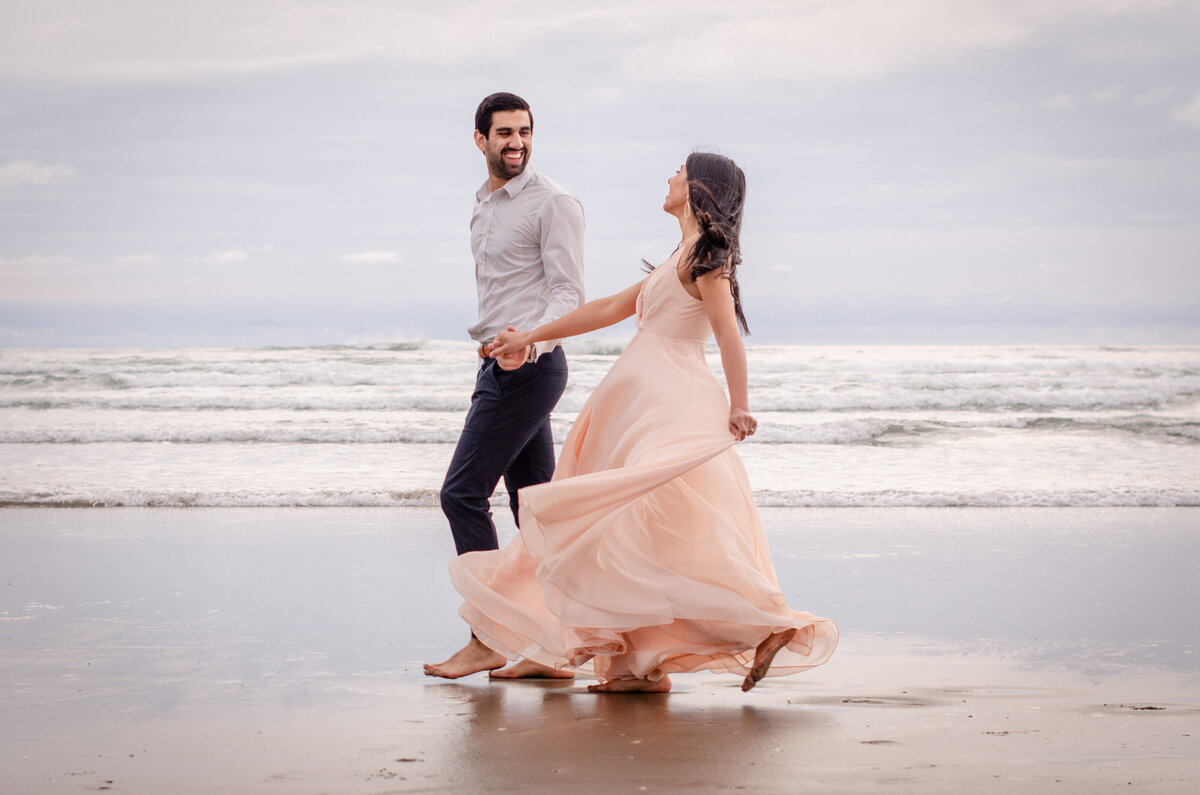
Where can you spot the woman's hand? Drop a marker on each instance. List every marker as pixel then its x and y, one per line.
pixel 741 424
pixel 510 349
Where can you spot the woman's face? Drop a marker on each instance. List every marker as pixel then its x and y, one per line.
pixel 677 192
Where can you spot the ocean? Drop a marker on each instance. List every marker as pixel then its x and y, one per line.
pixel 376 425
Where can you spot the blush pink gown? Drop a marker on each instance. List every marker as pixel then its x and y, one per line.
pixel 644 555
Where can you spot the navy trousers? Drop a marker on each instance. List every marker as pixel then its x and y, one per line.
pixel 506 434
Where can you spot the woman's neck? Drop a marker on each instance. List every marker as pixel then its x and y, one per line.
pixel 689 229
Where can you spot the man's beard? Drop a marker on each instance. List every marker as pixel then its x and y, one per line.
pixel 505 169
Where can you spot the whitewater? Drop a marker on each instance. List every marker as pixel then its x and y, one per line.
pixel 375 425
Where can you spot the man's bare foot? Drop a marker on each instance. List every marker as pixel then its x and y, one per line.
pixel 764 654
pixel 470 659
pixel 632 686
pixel 528 669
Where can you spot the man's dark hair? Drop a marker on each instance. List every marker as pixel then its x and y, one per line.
pixel 494 102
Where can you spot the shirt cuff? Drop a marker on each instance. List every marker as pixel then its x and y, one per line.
pixel 538 348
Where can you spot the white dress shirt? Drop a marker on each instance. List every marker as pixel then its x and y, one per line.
pixel 527 238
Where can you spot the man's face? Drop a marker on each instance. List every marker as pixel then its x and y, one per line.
pixel 508 146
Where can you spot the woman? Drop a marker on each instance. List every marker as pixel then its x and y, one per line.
pixel 645 556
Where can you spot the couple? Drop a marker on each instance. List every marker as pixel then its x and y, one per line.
pixel 643 555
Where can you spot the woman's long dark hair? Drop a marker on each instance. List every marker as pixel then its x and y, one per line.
pixel 716 195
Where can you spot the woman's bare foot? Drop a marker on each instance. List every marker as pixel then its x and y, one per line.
pixel 528 669
pixel 632 686
pixel 764 654
pixel 470 659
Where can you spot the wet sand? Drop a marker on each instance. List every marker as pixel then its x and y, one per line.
pixel 263 650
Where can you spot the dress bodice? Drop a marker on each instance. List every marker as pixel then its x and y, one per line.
pixel 666 308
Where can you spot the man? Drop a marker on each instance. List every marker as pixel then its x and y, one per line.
pixel 527 238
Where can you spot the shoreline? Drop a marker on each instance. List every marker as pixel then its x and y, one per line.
pixel 265 650
pixel 426 498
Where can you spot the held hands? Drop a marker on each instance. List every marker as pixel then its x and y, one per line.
pixel 510 349
pixel 741 424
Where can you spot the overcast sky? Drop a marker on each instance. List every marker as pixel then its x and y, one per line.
pixel 287 172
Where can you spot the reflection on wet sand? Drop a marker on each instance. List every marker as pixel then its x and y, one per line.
pixel 556 734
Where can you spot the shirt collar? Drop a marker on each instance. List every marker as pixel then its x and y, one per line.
pixel 512 187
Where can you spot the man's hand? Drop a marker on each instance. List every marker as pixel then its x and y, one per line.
pixel 509 349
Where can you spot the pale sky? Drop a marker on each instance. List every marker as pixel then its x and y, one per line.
pixel 282 172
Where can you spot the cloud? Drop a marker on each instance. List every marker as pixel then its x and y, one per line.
pixel 36 260
pixel 224 257
pixel 237 254
pixel 713 40
pixel 1060 102
pixel 1154 96
pixel 139 259
pixel 372 257
pixel 1160 218
pixel 57 29
pixel 1189 114
pixel 851 39
pixel 233 37
pixel 22 173
pixel 1107 94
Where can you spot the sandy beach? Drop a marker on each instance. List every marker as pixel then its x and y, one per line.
pixel 280 650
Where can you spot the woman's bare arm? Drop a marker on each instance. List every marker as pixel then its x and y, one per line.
pixel 593 315
pixel 718 303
